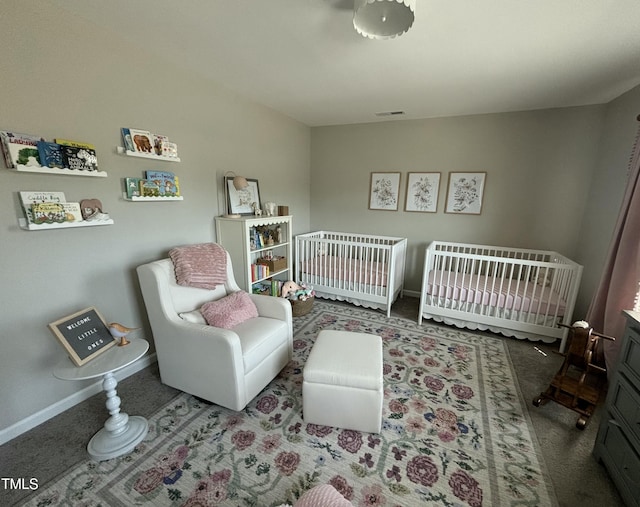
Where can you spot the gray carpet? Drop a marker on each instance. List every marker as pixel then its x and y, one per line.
pixel 52 448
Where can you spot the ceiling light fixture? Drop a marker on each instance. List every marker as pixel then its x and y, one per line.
pixel 383 19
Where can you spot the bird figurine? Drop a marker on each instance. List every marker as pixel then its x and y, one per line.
pixel 120 331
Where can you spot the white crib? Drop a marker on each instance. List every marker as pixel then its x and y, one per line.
pixel 362 269
pixel 512 291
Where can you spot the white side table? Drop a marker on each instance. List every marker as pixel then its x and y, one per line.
pixel 121 433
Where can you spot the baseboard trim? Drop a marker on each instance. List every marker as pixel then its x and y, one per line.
pixel 411 293
pixel 60 406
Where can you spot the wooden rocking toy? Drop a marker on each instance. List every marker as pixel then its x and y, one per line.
pixel 578 383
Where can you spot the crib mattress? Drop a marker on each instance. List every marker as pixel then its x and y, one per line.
pixel 483 290
pixel 352 271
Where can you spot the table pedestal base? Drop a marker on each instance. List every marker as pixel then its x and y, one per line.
pixel 105 445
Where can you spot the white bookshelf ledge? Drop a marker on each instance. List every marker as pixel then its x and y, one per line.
pixel 152 156
pixel 56 170
pixel 64 225
pixel 152 199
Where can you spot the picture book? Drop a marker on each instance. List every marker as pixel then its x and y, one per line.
pixel 132 187
pixel 48 213
pixel 126 139
pixel 75 144
pixel 20 149
pixel 50 154
pixel 149 189
pixel 72 211
pixel 165 180
pixel 158 142
pixel 169 150
pixel 142 141
pixel 79 159
pixel 27 198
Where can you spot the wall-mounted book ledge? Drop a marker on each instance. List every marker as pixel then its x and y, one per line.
pixel 22 222
pixel 58 171
pixel 151 156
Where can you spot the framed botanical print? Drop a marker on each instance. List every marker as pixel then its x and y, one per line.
pixel 383 191
pixel 240 201
pixel 465 193
pixel 422 192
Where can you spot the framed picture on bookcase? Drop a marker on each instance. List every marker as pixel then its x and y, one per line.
pixel 242 201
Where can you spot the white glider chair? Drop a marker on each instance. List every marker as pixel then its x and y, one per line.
pixel 228 367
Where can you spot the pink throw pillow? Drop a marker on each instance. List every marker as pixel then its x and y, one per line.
pixel 229 311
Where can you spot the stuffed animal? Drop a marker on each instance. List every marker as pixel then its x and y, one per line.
pixel 256 209
pixel 289 289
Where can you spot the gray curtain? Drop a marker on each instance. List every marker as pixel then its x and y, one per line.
pixel 619 285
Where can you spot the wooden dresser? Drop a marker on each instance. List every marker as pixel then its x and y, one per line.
pixel 618 441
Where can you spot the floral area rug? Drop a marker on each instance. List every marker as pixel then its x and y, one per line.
pixel 455 432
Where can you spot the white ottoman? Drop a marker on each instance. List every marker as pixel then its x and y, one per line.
pixel 342 381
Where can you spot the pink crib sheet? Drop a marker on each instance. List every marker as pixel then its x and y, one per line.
pixel 479 289
pixel 347 270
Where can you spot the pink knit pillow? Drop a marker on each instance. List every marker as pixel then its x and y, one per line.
pixel 229 311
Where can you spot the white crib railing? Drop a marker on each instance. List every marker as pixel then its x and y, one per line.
pixel 517 292
pixel 363 269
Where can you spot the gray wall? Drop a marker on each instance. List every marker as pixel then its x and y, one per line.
pixel 607 190
pixel 539 168
pixel 62 77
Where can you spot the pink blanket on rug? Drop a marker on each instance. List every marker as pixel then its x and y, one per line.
pixel 202 265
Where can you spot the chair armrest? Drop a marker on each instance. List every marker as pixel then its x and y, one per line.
pixel 276 308
pixel 273 307
pixel 202 360
pixel 212 348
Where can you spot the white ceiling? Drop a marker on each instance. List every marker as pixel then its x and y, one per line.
pixel 304 58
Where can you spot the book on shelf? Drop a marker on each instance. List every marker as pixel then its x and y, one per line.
pixel 72 211
pixel 79 158
pixel 268 287
pixel 158 141
pixel 48 213
pixel 258 238
pixel 276 287
pixel 149 189
pixel 142 141
pixel 259 272
pixel 50 154
pixel 126 139
pixel 169 149
pixel 27 198
pixel 20 149
pixel 75 144
pixel 166 182
pixel 132 187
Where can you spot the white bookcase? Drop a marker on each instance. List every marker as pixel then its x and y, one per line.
pixel 237 236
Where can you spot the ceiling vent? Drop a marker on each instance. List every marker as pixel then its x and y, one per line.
pixel 390 113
